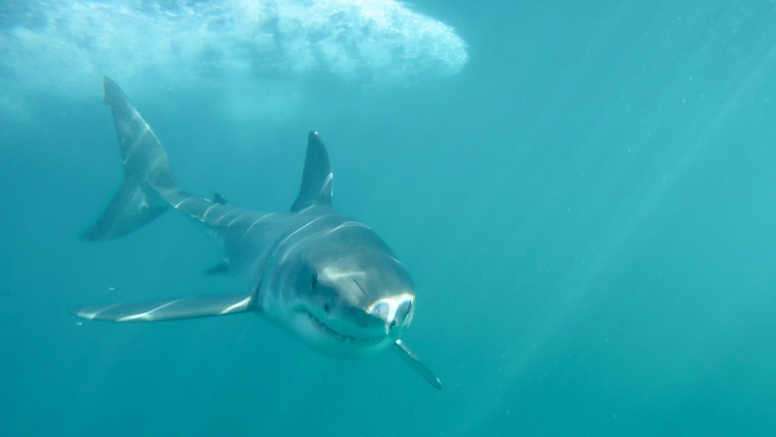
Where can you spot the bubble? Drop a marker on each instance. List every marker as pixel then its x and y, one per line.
pixel 63 46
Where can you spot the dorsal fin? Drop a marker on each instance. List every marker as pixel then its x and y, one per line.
pixel 317 178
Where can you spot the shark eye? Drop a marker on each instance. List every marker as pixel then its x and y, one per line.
pixel 326 308
pixel 314 282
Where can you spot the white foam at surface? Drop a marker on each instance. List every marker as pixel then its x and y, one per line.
pixel 71 43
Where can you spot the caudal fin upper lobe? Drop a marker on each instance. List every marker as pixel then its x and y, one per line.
pixel 148 178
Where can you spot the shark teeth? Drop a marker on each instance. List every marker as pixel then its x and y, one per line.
pixel 323 329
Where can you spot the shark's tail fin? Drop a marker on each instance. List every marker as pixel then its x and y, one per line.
pixel 148 179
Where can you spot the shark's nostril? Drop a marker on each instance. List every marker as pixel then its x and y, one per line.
pixel 380 310
pixel 404 310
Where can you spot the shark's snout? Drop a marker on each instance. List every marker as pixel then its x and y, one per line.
pixel 393 312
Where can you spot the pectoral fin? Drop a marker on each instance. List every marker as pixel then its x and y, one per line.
pixel 185 308
pixel 414 362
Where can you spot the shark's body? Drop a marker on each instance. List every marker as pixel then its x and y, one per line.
pixel 324 277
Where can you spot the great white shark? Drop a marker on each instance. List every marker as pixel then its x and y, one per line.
pixel 326 278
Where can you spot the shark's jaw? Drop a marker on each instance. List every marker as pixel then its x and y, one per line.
pixel 331 333
pixel 321 337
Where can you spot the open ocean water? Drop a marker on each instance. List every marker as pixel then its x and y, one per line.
pixel 583 193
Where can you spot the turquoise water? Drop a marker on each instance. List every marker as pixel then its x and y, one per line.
pixel 582 194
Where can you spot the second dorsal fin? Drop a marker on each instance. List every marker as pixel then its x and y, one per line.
pixel 219 199
pixel 317 178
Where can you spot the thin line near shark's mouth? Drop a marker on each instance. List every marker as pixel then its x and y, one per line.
pixel 323 329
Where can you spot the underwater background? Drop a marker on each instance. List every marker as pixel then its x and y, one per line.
pixel 583 193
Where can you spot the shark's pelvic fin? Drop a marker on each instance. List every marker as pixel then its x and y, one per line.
pixel 222 268
pixel 414 362
pixel 154 311
pixel 147 174
pixel 317 177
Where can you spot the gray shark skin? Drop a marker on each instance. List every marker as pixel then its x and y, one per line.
pixel 325 278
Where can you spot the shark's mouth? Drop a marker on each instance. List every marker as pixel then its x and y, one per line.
pixel 323 329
